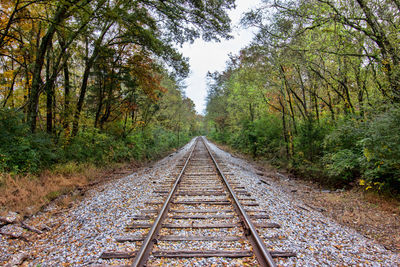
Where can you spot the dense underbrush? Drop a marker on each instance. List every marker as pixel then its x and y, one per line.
pixel 24 152
pixel 349 151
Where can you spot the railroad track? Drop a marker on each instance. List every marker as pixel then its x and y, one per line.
pixel 204 219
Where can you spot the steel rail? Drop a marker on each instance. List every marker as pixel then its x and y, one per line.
pixel 142 254
pixel 262 253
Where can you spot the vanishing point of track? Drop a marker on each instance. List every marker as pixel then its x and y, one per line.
pixel 201 205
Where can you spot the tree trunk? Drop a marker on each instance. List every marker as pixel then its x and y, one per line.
pixel 49 96
pixel 101 81
pixel 85 79
pixel 67 98
pixel 82 94
pixel 285 135
pixel 58 17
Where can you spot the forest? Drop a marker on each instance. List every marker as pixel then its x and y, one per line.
pixel 99 82
pixel 316 92
pixel 106 160
pixel 86 83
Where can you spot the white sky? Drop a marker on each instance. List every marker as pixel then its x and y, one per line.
pixel 211 56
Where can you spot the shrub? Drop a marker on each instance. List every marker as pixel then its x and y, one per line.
pixel 21 151
pixel 269 137
pixel 381 150
pixel 220 136
pixel 343 151
pixel 263 137
pixel 89 145
pixel 343 165
pixel 369 150
pixel 308 143
pixel 98 147
pixel 244 139
pixel 158 140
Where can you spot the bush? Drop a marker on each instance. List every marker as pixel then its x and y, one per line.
pixel 343 151
pixel 263 137
pixel 21 151
pixel 98 147
pixel 381 151
pixel 89 145
pixel 220 136
pixel 308 143
pixel 244 139
pixel 158 140
pixel 368 150
pixel 268 131
pixel 343 165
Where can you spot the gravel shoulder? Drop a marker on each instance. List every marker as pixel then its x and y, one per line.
pixel 78 234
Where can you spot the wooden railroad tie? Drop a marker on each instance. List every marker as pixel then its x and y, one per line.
pixel 189 217
pixel 210 202
pixel 148 217
pixel 202 253
pixel 202 226
pixel 202 211
pixel 250 204
pixel 192 253
pixel 200 238
pixel 204 193
pixel 176 226
pixel 130 238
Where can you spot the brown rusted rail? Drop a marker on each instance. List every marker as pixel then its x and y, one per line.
pixel 263 256
pixel 144 251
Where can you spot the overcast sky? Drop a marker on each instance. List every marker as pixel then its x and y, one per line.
pixel 211 56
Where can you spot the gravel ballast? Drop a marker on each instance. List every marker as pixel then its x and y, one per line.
pixel 80 234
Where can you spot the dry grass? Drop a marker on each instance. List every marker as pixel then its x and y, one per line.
pixel 26 194
pixel 373 215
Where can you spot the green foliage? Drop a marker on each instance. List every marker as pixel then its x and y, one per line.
pixel 309 140
pixel 99 147
pixel 261 138
pixel 20 151
pixel 68 168
pixel 343 165
pixel 343 151
pixel 268 131
pixel 53 195
pixel 161 141
pixel 369 150
pixel 245 138
pixel 381 150
pixel 94 146
pixel 219 136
